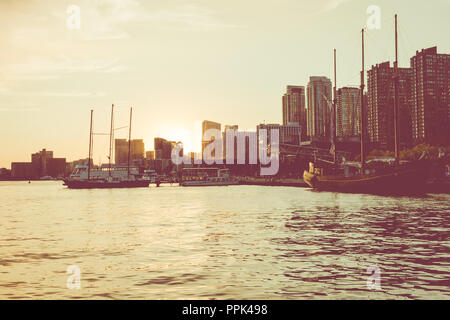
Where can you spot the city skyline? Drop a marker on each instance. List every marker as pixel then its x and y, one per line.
pixel 45 94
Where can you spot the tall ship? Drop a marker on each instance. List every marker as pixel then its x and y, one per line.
pixel 90 177
pixel 373 176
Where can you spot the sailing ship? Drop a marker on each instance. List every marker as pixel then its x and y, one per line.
pixel 374 176
pixel 86 177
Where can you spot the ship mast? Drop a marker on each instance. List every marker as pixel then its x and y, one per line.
pixel 129 142
pixel 361 116
pixel 90 147
pixel 333 133
pixel 396 102
pixel 111 133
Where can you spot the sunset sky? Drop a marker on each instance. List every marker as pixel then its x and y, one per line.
pixel 176 62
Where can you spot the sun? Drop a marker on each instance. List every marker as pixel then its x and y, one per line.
pixel 181 135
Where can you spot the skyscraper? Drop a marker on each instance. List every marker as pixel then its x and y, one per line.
pixel 380 105
pixel 163 149
pixel 431 96
pixel 294 107
pixel 121 151
pixel 348 110
pixel 319 108
pixel 137 149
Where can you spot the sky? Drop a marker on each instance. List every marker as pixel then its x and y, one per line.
pixel 177 62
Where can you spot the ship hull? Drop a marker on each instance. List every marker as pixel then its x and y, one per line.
pixel 79 184
pixel 395 181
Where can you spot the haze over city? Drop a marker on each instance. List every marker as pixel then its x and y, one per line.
pixel 177 62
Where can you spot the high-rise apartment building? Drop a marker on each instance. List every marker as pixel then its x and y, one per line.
pixel 319 108
pixel 348 110
pixel 380 105
pixel 294 107
pixel 431 97
pixel 121 151
pixel 163 149
pixel 137 149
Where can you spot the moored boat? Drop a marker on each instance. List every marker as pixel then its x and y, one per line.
pixel 404 178
pixel 86 177
pixel 203 177
pixel 372 176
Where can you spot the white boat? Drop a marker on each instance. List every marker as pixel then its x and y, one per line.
pixel 203 177
pixel 86 177
pixel 103 173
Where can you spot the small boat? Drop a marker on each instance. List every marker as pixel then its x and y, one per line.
pixel 86 177
pixel 203 177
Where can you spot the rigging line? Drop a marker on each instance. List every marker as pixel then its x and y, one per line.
pixel 409 46
pixel 378 40
pixel 373 45
pixel 403 53
pixel 350 75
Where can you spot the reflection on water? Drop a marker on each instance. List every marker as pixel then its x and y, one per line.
pixel 240 242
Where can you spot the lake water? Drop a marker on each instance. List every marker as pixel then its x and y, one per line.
pixel 236 242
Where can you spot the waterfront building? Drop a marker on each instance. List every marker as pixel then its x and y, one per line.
pixel 163 149
pixel 56 167
pixel 431 97
pixel 46 165
pixel 348 107
pixel 380 105
pixel 120 151
pixel 137 150
pixel 319 108
pixel 294 107
pixel 5 174
pixel 121 147
pixel 39 159
pixel 24 170
pixel 288 134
